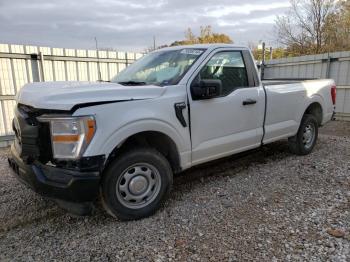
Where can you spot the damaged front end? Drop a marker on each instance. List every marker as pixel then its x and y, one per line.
pixel 74 182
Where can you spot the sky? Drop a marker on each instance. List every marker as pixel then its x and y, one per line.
pixel 130 25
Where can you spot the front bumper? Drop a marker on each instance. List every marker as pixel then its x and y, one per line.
pixel 57 183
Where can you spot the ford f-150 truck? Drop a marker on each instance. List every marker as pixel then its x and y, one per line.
pixel 175 108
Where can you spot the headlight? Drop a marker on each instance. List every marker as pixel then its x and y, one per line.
pixel 70 136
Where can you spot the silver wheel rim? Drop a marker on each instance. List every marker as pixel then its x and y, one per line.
pixel 138 185
pixel 309 136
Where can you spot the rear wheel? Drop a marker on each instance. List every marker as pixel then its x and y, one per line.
pixel 305 140
pixel 135 185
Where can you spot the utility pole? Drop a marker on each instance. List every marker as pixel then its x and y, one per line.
pixel 154 42
pixel 263 53
pixel 263 60
pixel 98 61
pixel 270 52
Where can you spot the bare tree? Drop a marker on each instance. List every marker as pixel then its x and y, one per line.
pixel 303 27
pixel 337 31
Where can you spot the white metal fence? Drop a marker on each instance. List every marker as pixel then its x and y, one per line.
pixel 330 65
pixel 21 64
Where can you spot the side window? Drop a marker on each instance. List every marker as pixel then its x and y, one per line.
pixel 228 67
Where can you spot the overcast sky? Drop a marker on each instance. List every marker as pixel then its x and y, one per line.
pixel 130 24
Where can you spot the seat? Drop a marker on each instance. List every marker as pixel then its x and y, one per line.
pixel 232 78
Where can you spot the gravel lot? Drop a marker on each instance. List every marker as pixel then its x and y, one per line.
pixel 267 206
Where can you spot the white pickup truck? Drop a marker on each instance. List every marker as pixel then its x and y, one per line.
pixel 173 109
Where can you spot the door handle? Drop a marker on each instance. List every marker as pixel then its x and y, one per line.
pixel 249 102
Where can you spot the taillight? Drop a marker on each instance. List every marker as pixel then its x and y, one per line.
pixel 334 94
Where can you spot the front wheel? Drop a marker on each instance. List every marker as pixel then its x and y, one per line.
pixel 305 140
pixel 135 184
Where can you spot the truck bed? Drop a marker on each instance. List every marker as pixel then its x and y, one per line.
pixel 287 100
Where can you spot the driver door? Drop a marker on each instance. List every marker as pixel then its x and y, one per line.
pixel 225 124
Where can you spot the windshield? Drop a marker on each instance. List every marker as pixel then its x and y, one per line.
pixel 159 68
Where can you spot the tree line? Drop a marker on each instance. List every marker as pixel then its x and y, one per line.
pixel 309 27
pixel 314 26
pixel 205 36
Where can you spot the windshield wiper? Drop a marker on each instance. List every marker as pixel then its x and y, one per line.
pixel 132 83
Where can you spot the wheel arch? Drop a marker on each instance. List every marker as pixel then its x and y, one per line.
pixel 314 105
pixel 153 139
pixel 315 109
pixel 154 133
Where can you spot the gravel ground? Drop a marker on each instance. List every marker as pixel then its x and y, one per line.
pixel 336 128
pixel 267 206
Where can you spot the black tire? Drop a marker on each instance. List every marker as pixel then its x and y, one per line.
pixel 133 163
pixel 297 143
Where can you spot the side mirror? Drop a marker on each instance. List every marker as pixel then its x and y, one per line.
pixel 206 89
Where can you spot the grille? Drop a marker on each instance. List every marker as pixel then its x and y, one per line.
pixel 33 136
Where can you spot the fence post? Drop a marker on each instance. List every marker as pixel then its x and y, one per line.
pixel 328 68
pixel 42 67
pixel 35 67
pixel 126 59
pixel 98 66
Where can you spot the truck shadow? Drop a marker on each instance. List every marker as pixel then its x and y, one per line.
pixel 234 164
pixel 41 210
pixel 197 176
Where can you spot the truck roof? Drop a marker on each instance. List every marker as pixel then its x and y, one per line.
pixel 206 46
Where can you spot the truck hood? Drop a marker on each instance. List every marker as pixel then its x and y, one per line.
pixel 65 95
